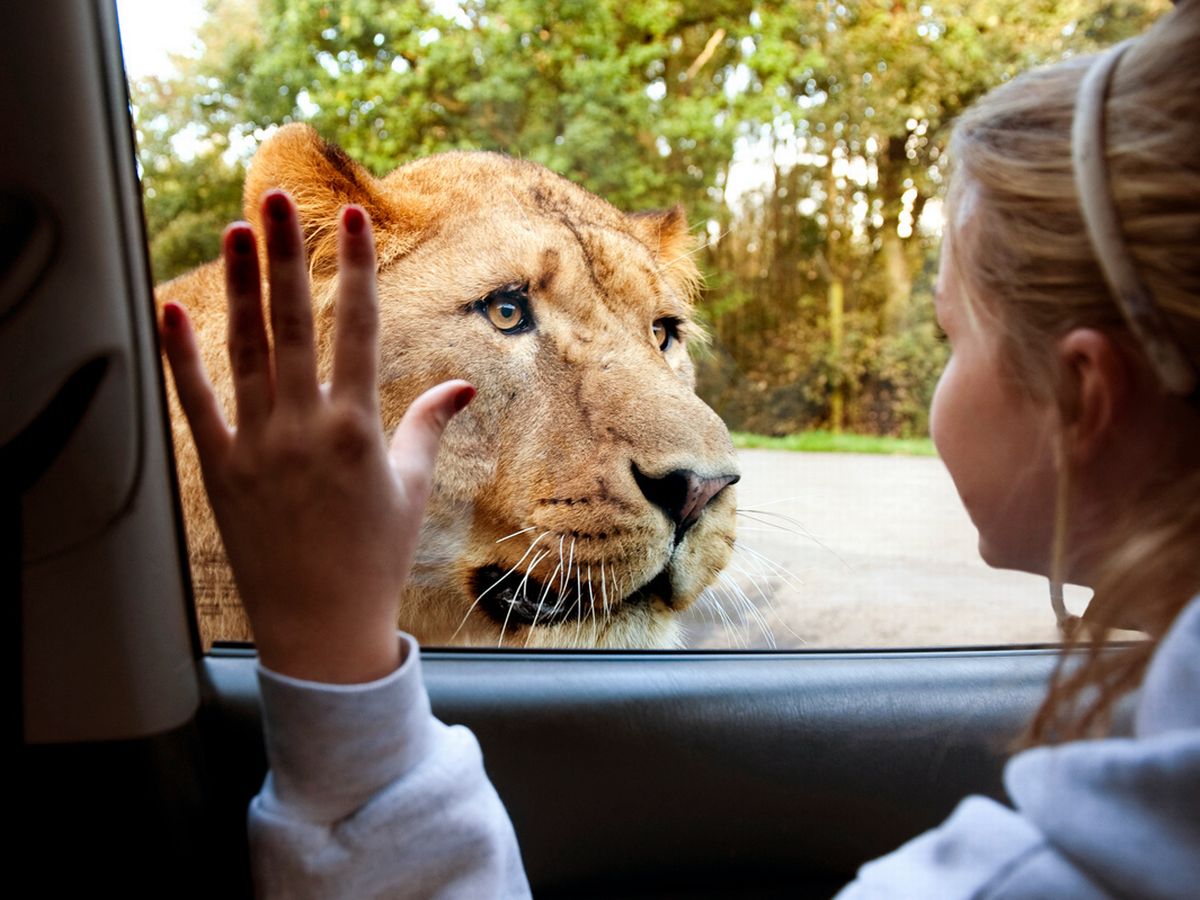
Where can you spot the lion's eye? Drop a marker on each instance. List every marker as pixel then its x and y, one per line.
pixel 663 331
pixel 504 314
pixel 507 308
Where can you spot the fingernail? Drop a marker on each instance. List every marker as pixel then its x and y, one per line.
pixel 278 207
pixel 172 317
pixel 242 241
pixel 353 219
pixel 465 396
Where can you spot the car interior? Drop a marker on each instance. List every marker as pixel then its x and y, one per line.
pixel 626 774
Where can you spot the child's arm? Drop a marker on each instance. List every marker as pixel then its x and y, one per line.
pixel 368 794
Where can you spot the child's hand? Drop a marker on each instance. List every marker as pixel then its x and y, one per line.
pixel 319 518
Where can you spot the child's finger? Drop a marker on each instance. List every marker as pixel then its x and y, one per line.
pixel 200 408
pixel 249 353
pixel 291 306
pixel 415 445
pixel 356 345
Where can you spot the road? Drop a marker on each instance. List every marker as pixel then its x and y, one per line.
pixel 849 550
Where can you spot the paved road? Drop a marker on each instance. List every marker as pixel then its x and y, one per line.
pixel 848 550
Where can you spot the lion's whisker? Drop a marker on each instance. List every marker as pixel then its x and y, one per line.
pixel 767 517
pixel 564 576
pixel 709 599
pixel 579 613
pixel 793 581
pixel 542 599
pixel 578 576
pixel 521 590
pixel 758 506
pixel 751 607
pixel 564 580
pixel 791 520
pixel 603 589
pixel 737 598
pixel 604 610
pixel 704 603
pixel 798 529
pixel 698 249
pixel 591 591
pixel 756 578
pixel 517 204
pixel 570 560
pixel 716 607
pixel 726 622
pixel 774 529
pixel 517 565
pixel 486 590
pixel 758 558
pixel 515 533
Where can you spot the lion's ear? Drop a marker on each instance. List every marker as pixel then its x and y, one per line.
pixel 322 179
pixel 665 232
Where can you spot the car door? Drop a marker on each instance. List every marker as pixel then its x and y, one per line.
pixel 626 774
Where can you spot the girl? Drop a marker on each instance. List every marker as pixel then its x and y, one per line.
pixel 1068 416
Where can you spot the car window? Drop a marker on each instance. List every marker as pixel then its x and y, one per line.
pixel 805 140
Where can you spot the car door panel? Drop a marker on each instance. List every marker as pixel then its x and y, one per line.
pixel 639 773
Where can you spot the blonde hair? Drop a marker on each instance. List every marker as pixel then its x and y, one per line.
pixel 1029 265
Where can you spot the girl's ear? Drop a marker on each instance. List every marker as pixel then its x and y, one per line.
pixel 1099 389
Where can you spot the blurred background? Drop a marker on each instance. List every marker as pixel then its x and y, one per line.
pixel 805 139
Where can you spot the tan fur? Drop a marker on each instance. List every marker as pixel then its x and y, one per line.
pixel 563 413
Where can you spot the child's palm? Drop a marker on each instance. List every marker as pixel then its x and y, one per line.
pixel 319 518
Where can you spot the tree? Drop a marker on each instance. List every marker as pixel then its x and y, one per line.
pixel 853 103
pixel 619 97
pixel 818 274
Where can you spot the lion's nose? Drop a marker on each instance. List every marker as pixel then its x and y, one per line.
pixel 681 494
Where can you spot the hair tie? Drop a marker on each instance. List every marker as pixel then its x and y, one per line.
pixel 1147 322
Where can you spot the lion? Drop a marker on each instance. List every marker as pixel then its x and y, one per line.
pixel 585 498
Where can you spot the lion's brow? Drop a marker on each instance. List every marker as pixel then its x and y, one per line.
pixel 589 258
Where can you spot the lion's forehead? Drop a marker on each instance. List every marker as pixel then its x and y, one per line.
pixel 469 179
pixel 592 269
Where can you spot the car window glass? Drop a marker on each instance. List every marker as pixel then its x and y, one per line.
pixel 805 140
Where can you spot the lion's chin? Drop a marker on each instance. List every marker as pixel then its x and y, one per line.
pixel 515 600
pixel 575 612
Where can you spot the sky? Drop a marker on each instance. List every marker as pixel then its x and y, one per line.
pixel 153 29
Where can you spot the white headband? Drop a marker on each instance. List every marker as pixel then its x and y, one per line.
pixel 1145 319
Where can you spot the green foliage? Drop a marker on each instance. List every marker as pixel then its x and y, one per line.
pixel 604 92
pixel 828 442
pixel 850 104
pixel 817 315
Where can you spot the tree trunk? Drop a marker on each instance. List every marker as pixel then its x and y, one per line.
pixel 890 164
pixel 837 301
pixel 837 397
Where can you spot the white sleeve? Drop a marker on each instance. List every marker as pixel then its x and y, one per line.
pixel 370 796
pixel 984 851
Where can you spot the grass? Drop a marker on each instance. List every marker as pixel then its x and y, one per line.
pixel 828 442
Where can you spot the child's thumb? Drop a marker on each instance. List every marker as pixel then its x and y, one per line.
pixel 415 444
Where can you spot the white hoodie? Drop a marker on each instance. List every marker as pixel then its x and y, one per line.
pixel 1108 818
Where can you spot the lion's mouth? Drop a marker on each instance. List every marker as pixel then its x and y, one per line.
pixel 513 599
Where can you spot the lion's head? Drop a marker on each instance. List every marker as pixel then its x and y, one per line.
pixel 584 498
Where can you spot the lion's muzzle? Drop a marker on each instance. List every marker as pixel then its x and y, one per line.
pixel 682 494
